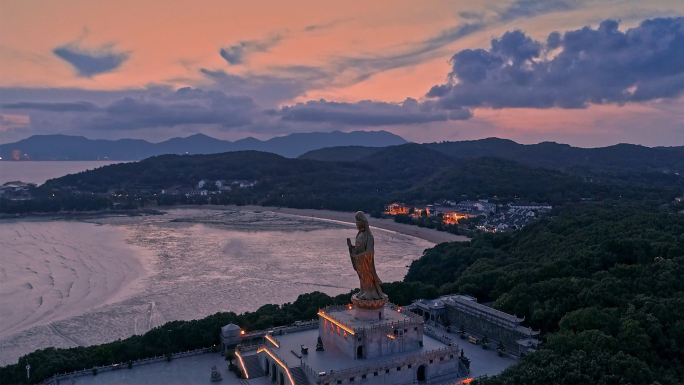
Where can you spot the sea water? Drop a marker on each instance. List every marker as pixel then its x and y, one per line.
pixel 68 283
pixel 39 172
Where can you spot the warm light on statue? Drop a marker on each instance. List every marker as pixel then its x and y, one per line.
pixel 370 301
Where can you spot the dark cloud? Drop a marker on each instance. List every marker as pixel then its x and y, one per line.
pixel 99 97
pixel 185 106
pixel 196 108
pixel 236 54
pixel 471 15
pixel 369 113
pixel 51 107
pixel 318 27
pixel 529 8
pixel 581 67
pixel 89 63
pixel 283 84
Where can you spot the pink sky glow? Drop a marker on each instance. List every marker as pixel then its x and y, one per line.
pixel 283 53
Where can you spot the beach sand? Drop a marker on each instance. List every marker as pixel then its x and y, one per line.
pixel 55 270
pixel 430 235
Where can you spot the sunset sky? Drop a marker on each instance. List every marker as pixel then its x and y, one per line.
pixel 585 72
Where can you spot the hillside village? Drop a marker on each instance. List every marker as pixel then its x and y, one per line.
pixel 209 187
pixel 480 214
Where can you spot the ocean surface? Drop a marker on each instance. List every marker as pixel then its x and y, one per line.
pixel 68 283
pixel 39 172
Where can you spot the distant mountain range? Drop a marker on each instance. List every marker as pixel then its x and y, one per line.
pixel 352 146
pixel 617 158
pixel 64 147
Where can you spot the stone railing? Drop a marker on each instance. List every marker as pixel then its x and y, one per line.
pixel 391 324
pixel 406 310
pixel 122 366
pixel 414 321
pixel 439 337
pixel 249 348
pixel 307 325
pixel 382 365
pixel 269 337
pixel 282 363
pixel 309 371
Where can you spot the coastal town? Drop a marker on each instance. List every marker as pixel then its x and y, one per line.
pixel 445 215
pixel 478 214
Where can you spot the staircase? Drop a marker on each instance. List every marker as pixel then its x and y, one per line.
pixel 299 376
pixel 253 366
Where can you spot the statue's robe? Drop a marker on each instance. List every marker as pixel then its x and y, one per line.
pixel 364 264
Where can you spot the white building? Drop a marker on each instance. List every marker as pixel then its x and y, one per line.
pixel 531 206
pixel 481 205
pixel 230 335
pixel 244 183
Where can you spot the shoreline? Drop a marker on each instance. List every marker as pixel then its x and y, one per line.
pixel 430 235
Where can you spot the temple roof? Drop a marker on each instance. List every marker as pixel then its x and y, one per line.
pixel 230 328
pixel 475 307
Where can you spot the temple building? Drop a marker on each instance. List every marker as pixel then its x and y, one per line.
pixel 388 345
pixel 346 346
pixel 463 312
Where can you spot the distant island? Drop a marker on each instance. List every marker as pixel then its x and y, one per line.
pixel 65 147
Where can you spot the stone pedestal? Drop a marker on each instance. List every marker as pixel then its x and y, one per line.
pixel 369 310
pixel 365 331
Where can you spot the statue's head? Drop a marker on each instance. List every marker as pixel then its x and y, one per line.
pixel 361 221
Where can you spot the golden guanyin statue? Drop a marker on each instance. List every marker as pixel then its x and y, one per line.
pixel 362 257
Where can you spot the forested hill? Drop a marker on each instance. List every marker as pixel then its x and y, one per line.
pixel 603 283
pixel 617 158
pixel 410 173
